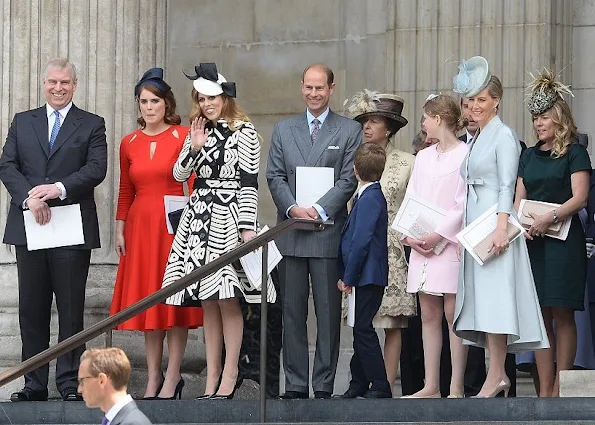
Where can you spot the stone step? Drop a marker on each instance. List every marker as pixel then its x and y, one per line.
pixel 577 383
pixel 389 423
pixel 414 411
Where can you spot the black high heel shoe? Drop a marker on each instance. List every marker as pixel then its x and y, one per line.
pixel 158 389
pixel 238 384
pixel 177 391
pixel 208 396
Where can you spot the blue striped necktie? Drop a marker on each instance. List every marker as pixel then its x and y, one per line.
pixel 55 129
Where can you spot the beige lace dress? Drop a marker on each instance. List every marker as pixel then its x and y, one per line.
pixel 397 305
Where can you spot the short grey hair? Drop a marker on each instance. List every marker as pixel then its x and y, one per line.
pixel 60 63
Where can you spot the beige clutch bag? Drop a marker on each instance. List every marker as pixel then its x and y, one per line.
pixel 481 249
pixel 539 208
pixel 419 229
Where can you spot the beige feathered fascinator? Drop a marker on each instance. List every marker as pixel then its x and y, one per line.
pixel 544 90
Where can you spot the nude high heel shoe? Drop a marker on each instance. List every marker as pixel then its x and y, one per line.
pixel 435 395
pixel 504 385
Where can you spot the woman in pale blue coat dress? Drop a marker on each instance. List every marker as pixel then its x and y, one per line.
pixel 496 306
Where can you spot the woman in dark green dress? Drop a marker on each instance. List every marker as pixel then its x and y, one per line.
pixel 557 170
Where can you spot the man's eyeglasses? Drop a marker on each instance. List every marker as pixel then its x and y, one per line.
pixel 81 380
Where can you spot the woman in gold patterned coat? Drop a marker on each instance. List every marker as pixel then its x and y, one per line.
pixel 380 116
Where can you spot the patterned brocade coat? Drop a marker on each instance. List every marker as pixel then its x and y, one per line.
pixel 396 301
pixel 223 203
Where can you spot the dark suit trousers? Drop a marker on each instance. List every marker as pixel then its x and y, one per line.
pixel 367 363
pixel 296 274
pixel 41 274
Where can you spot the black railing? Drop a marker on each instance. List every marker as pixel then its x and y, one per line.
pixel 111 322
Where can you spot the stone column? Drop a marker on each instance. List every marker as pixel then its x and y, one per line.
pixel 516 38
pixel 583 79
pixel 111 43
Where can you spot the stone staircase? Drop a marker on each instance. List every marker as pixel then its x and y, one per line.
pixel 401 411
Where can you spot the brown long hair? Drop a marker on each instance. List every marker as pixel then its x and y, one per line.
pixel 448 109
pixel 170 117
pixel 231 111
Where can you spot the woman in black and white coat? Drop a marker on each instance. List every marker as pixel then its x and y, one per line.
pixel 223 149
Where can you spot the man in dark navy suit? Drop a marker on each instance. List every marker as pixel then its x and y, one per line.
pixel 54 155
pixel 363 268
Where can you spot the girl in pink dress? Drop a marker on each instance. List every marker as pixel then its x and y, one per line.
pixel 436 178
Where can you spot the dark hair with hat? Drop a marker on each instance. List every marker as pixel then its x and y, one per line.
pixel 370 103
pixel 369 161
pixel 153 77
pixel 152 81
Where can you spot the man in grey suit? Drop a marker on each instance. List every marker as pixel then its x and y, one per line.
pixel 316 138
pixel 103 380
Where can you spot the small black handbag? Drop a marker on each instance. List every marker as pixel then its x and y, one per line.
pixel 174 218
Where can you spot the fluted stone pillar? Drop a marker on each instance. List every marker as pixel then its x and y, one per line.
pixel 111 43
pixel 516 37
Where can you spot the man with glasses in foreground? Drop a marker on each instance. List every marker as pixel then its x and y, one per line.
pixel 102 380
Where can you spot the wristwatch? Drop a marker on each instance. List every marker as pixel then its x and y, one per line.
pixel 555 214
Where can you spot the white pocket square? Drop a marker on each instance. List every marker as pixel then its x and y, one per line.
pixel 333 147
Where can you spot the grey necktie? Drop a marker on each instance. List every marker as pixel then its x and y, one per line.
pixel 315 130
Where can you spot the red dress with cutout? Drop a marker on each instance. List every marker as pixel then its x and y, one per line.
pixel 143 183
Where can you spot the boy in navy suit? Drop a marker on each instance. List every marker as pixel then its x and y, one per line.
pixel 363 264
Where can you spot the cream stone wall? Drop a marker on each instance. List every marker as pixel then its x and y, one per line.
pixel 410 47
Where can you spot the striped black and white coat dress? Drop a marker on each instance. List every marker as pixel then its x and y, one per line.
pixel 222 204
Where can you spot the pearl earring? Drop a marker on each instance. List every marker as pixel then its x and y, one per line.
pixel 387 133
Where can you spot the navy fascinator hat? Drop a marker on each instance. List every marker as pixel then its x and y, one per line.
pixel 153 77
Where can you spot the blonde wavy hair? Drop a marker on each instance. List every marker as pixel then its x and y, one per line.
pixel 566 130
pixel 231 111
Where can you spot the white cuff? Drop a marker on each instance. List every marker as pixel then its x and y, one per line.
pixel 321 212
pixel 290 207
pixel 62 190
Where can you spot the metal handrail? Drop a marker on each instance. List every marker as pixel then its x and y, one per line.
pixel 111 322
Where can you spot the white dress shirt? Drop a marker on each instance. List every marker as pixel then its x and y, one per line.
pixel 320 118
pixel 364 187
pixel 111 414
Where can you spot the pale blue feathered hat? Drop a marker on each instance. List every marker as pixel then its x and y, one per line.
pixel 473 77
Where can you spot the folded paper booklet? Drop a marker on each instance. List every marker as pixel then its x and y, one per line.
pixel 476 237
pixel 558 230
pixel 417 217
pixel 64 229
pixel 252 262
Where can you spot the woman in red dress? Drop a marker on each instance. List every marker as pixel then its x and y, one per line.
pixel 147 157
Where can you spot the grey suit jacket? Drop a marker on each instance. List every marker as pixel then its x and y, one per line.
pixel 130 414
pixel 291 147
